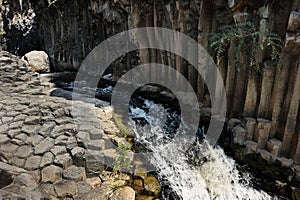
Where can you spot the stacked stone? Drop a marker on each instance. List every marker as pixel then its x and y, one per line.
pixel 44 152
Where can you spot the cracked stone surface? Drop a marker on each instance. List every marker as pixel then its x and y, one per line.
pixel 51 174
pixel 43 147
pixel 75 173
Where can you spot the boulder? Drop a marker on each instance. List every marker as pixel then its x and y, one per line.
pixel 152 185
pixel 125 193
pixel 38 61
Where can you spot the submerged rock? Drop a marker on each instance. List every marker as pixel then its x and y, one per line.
pixel 152 185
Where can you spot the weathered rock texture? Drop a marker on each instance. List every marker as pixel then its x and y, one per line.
pixel 46 150
pixel 69 30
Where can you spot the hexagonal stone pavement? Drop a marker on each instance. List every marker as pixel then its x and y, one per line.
pixel 43 152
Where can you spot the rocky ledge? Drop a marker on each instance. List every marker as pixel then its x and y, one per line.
pixel 46 154
pixel 253 144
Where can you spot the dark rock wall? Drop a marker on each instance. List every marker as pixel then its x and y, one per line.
pixel 18 27
pixel 69 30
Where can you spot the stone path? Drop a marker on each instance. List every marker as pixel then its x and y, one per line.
pixel 43 151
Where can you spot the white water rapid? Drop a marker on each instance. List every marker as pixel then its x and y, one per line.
pixel 217 178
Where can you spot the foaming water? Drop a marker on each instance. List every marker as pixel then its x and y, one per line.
pixel 196 172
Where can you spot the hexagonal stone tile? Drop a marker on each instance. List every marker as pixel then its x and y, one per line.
pixel 17 142
pixel 77 155
pixel 47 159
pixel 23 137
pixel 51 174
pixel 34 140
pixel 83 136
pixel 33 163
pixel 4 128
pixel 20 117
pixel 58 150
pixel 15 125
pixel 13 133
pixel 63 120
pixel 83 187
pixel 63 160
pixel 96 145
pixel 8 147
pixel 65 188
pixel 74 173
pixel 31 129
pixel 19 162
pixel 32 120
pixel 12 113
pixel 36 175
pixel 44 146
pixel 62 129
pixel 26 180
pixel 47 128
pixel 6 120
pixel 24 151
pixel 20 107
pixel 3 138
pixel 96 134
pixel 61 140
pixel 48 188
pixel 94 182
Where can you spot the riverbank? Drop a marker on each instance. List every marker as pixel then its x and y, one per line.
pixel 44 152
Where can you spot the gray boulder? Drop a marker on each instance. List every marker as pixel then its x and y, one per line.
pixel 38 61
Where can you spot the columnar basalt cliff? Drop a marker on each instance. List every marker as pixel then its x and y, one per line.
pixel 267 103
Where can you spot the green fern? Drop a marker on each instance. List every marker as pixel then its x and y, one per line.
pixel 247 39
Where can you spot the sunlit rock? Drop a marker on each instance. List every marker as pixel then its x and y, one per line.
pixel 38 61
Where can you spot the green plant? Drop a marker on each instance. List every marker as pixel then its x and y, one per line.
pixel 247 39
pixel 116 186
pixel 123 161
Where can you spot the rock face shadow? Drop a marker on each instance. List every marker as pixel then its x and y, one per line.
pixel 5 179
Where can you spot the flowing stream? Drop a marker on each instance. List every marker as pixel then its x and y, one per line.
pixel 192 172
pixel 196 173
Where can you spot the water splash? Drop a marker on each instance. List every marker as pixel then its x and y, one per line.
pixel 198 172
